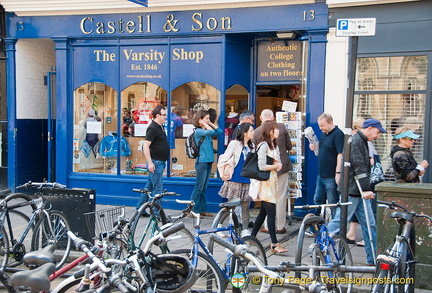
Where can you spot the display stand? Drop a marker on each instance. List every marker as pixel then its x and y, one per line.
pixel 294 124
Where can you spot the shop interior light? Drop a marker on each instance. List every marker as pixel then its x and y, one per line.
pixel 286 35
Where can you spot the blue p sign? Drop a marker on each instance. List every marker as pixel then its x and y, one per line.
pixel 342 24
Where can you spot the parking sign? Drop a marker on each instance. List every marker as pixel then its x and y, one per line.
pixel 350 27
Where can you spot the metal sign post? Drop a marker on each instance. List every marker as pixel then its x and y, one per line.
pixel 352 28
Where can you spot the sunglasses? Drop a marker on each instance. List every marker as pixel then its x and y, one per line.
pixel 163 114
pixel 408 138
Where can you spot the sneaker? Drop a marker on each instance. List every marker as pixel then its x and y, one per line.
pixel 221 234
pixel 245 233
pixel 309 233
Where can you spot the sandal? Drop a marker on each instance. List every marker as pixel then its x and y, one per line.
pixel 277 248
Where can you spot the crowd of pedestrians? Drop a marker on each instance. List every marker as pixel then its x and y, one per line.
pixel 272 140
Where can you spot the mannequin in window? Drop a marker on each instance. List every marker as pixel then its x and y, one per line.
pixel 231 122
pixel 91 139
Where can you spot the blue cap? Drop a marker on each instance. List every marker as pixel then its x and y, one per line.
pixel 373 123
pixel 408 133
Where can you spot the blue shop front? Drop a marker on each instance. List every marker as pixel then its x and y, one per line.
pixel 112 70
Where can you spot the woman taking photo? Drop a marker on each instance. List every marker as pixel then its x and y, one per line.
pixel 235 185
pixel 204 129
pixel 267 147
pixel 405 166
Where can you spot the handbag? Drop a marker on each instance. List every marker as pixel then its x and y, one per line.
pixel 377 174
pixel 226 170
pixel 251 170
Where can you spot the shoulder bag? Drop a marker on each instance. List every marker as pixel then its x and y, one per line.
pixel 250 167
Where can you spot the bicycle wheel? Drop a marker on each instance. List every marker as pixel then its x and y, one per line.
pixel 17 201
pixel 4 247
pixel 19 222
pixel 383 274
pixel 44 236
pixel 339 254
pixel 222 219
pixel 239 265
pixel 141 230
pixel 210 278
pixel 405 272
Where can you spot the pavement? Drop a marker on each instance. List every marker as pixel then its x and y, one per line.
pixel 288 240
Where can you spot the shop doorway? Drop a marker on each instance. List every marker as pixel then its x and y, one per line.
pixel 272 97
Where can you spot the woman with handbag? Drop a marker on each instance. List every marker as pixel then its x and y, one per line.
pixel 230 165
pixel 268 152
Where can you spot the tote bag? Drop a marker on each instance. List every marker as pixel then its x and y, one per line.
pixel 250 167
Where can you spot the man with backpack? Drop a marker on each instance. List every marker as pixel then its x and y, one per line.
pixel 156 152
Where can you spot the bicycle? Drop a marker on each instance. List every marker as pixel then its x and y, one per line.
pixel 45 226
pixel 140 271
pixel 275 275
pixel 396 265
pixel 215 276
pixel 142 228
pixel 325 249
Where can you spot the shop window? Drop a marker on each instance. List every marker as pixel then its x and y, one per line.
pixel 95 129
pixel 392 89
pixel 237 100
pixel 186 100
pixel 137 102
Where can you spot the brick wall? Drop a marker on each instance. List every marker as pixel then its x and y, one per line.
pixel 34 59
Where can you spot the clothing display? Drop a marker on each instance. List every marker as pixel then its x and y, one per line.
pixel 108 146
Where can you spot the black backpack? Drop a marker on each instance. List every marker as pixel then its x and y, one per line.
pixel 191 147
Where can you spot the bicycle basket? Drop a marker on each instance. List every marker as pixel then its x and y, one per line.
pixel 103 221
pixel 171 273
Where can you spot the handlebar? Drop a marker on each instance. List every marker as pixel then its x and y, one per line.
pixel 158 238
pixel 391 205
pixel 41 185
pixel 308 206
pixel 156 196
pixel 85 246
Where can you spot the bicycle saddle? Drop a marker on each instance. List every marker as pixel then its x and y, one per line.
pixel 37 279
pixel 405 216
pixel 230 204
pixel 40 257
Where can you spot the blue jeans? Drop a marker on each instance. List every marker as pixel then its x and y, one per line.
pixel 154 183
pixel 326 187
pixel 357 208
pixel 202 178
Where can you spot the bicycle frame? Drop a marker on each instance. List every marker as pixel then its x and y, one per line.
pixel 199 243
pixel 325 242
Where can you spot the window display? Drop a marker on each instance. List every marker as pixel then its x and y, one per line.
pixel 95 105
pixel 102 142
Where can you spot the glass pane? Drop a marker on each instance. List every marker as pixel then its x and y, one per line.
pixel 137 102
pixel 393 111
pixel 188 99
pixel 237 100
pixel 95 133
pixel 392 73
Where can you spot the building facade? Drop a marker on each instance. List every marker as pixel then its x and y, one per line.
pixel 81 87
